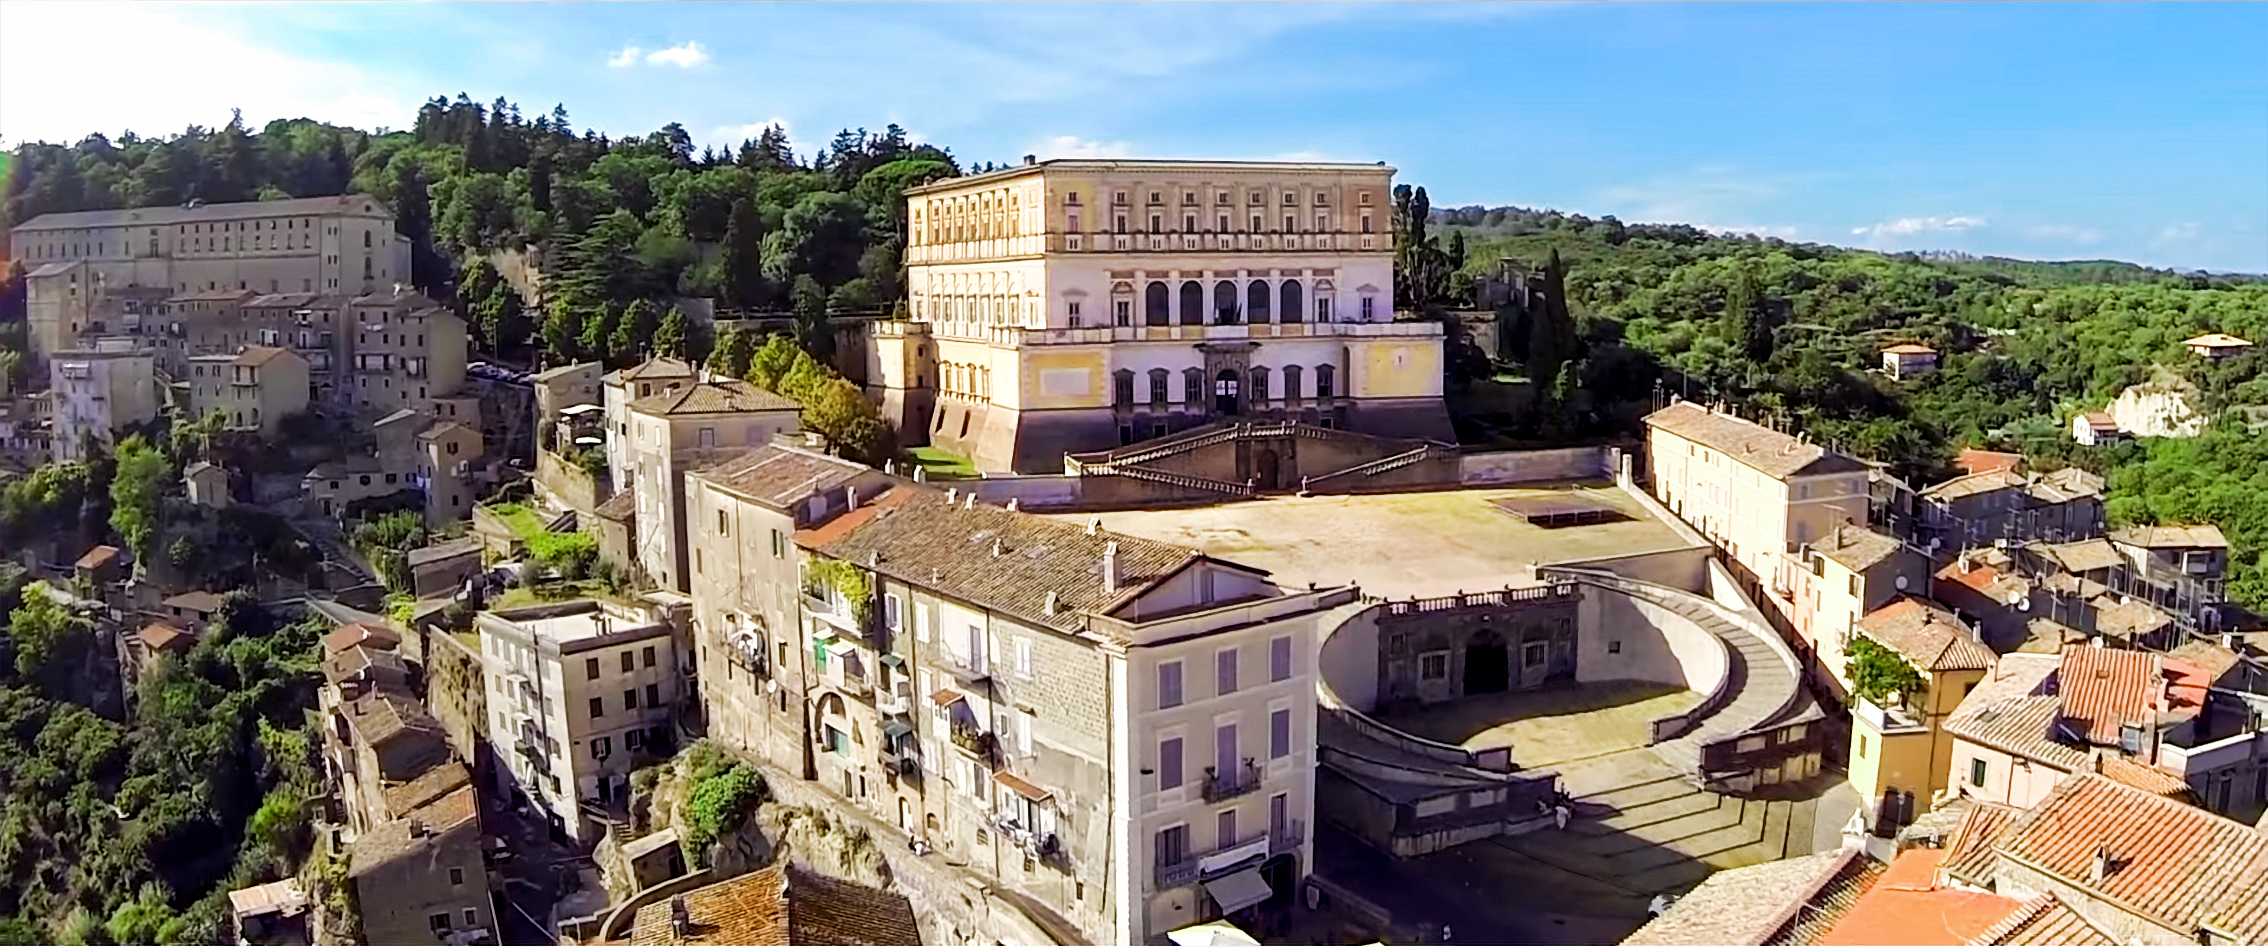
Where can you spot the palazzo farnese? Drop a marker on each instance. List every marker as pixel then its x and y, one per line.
pixel 1077 305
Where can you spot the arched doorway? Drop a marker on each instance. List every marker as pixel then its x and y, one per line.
pixel 1225 392
pixel 1224 303
pixel 1264 470
pixel 1488 665
pixel 1155 307
pixel 1192 303
pixel 1256 302
pixel 1289 311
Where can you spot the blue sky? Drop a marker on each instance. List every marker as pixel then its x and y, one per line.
pixel 2136 132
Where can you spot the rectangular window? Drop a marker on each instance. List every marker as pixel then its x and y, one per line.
pixel 1224 828
pixel 649 656
pixel 1169 685
pixel 602 747
pixel 890 608
pixel 456 876
pixel 472 917
pixel 1157 223
pixel 628 664
pixel 439 922
pixel 1223 223
pixel 598 707
pixel 1279 814
pixel 1226 750
pixel 1366 308
pixel 1433 667
pixel 1256 223
pixel 1189 223
pixel 590 669
pixel 1025 721
pixel 1279 734
pixel 1171 849
pixel 1169 763
pixel 1023 657
pixel 779 545
pixel 920 623
pixel 1224 671
pixel 630 699
pixel 721 531
pixel 1279 658
pixel 653 695
pixel 1976 772
pixel 635 739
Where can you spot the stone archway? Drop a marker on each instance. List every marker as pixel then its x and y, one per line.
pixel 1488 664
pixel 1226 390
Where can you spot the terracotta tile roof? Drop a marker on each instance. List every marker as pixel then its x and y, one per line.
pixel 730 396
pixel 1968 850
pixel 388 841
pixel 657 369
pixel 2074 482
pixel 1746 905
pixel 431 785
pixel 97 557
pixel 2129 619
pixel 1926 635
pixel 1855 547
pixel 360 633
pixel 1974 460
pixel 1932 828
pixel 1907 907
pixel 2086 555
pixel 384 716
pixel 782 904
pixel 2203 535
pixel 2171 862
pixel 254 356
pixel 364 662
pixel 2208 657
pixel 2149 779
pixel 2047 922
pixel 991 557
pixel 2014 710
pixel 2103 689
pixel 1968 485
pixel 780 475
pixel 159 636
pixel 232 210
pixel 621 506
pixel 1993 582
pixel 2242 917
pixel 2100 421
pixel 1825 909
pixel 1769 451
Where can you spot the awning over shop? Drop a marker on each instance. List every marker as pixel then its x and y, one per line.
pixel 1239 890
pixel 1022 787
pixel 893 730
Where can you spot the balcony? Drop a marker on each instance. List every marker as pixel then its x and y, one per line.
pixel 895 702
pixel 1259 846
pixel 1236 782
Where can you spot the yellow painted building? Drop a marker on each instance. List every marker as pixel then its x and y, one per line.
pixel 1076 305
pixel 1902 745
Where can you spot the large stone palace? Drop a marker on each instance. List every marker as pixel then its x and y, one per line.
pixel 1078 305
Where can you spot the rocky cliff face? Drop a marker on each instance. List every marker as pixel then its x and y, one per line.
pixel 813 837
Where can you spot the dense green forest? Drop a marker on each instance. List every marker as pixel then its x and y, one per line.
pixel 1792 332
pixel 134 831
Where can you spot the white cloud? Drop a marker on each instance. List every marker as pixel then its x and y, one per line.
pixel 2180 233
pixel 1909 226
pixel 174 81
pixel 1782 231
pixel 2064 232
pixel 685 56
pixel 627 57
pixel 1073 146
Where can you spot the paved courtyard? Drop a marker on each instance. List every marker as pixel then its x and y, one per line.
pixel 1550 725
pixel 1398 545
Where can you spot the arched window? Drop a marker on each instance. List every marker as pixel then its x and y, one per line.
pixel 1291 384
pixel 1158 380
pixel 1224 303
pixel 1256 302
pixel 1193 387
pixel 1289 311
pixel 1192 303
pixel 1122 388
pixel 1157 305
pixel 1259 385
pixel 1323 380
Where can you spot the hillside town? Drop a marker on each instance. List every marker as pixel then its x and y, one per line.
pixel 1176 610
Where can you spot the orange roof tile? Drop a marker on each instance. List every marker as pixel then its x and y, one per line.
pixel 2103 689
pixel 2170 862
pixel 1968 851
pixel 1973 460
pixel 782 904
pixel 1907 907
pixel 2149 779
pixel 1926 635
pixel 2045 921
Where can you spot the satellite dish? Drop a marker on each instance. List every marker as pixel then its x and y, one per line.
pixel 2024 606
pixel 1901 583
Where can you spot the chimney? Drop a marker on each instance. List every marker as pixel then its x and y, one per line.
pixel 1052 602
pixel 1110 568
pixel 921 475
pixel 970 503
pixel 1094 526
pixel 418 829
pixel 997 548
pixel 1011 504
pixel 680 917
pixel 850 498
pixel 1030 160
pixel 952 494
pixel 2102 866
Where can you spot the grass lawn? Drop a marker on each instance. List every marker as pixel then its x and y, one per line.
pixel 523 520
pixel 942 464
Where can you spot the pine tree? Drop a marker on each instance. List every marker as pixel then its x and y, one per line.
pixel 743 261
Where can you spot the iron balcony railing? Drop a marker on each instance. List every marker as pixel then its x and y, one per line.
pixel 1238 781
pixel 1196 866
